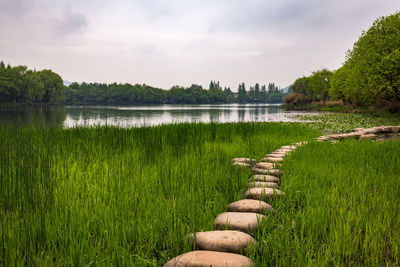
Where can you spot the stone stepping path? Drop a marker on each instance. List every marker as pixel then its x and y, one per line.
pixel 247 222
pixel 263 193
pixel 209 258
pixel 250 205
pixel 224 246
pixel 263 184
pixel 380 132
pixel 223 241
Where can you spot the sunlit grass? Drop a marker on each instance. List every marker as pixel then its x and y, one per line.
pixel 341 208
pixel 112 196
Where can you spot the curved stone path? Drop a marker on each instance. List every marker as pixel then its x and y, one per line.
pixel 227 246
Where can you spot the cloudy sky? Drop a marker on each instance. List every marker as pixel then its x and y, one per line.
pixel 180 42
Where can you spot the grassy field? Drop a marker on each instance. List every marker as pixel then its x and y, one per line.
pixel 341 209
pixel 111 196
pixel 124 197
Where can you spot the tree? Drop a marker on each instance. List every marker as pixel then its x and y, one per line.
pixel 53 86
pixel 371 73
pixel 242 95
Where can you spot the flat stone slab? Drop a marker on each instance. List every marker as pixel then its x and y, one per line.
pixel 265 165
pixel 263 171
pixel 250 205
pixel 209 258
pixel 288 148
pixel 282 150
pixel 263 184
pixel 276 155
pixel 263 193
pixel 244 160
pixel 368 136
pixel 223 241
pixel 240 164
pixel 265 178
pixel 242 221
pixel 273 160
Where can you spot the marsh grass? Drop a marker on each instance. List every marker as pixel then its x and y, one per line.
pixel 114 196
pixel 344 122
pixel 341 207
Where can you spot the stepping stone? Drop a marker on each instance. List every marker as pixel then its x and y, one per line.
pixel 223 241
pixel 242 221
pixel 289 148
pixel 265 178
pixel 368 136
pixel 282 150
pixel 263 184
pixel 272 171
pixel 265 165
pixel 276 155
pixel 250 205
pixel 271 159
pixel 244 160
pixel 263 193
pixel 357 129
pixel 209 258
pixel 240 164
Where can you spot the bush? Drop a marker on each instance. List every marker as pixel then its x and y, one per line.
pixel 296 99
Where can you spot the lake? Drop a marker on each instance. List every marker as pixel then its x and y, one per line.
pixel 144 115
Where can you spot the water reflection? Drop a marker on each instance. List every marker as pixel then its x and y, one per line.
pixel 36 116
pixel 134 116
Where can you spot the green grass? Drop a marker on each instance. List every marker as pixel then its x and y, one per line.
pixel 112 196
pixel 341 207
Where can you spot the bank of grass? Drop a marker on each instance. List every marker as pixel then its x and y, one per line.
pixel 341 207
pixel 344 122
pixel 113 196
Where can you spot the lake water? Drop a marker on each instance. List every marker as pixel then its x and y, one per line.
pixel 146 115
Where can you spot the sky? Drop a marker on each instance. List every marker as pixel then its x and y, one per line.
pixel 182 42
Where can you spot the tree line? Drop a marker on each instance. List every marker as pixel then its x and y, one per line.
pixel 111 94
pixel 369 77
pixel 20 85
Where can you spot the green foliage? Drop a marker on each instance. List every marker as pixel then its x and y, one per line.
pixel 20 85
pixel 315 87
pixel 371 72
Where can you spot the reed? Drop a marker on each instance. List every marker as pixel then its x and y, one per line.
pixel 114 196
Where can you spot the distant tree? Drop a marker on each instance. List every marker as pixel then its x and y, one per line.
pixel 242 95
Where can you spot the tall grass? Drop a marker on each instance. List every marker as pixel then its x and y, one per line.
pixel 341 208
pixel 113 196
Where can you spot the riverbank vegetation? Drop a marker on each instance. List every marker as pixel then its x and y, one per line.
pixel 369 77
